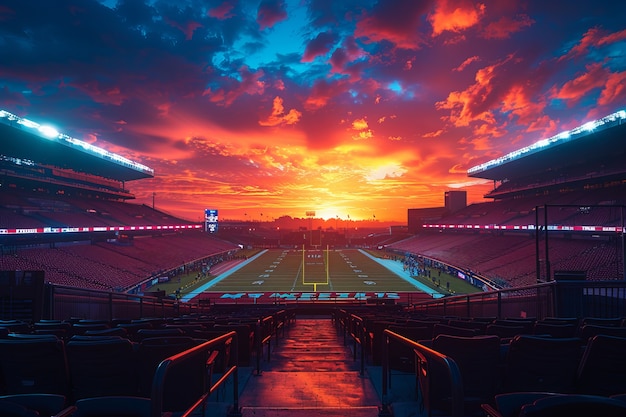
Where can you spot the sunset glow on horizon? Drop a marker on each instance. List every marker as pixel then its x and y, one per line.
pixel 353 109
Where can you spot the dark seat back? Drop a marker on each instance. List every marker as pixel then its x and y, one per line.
pixel 151 351
pixel 478 359
pixel 602 368
pixel 31 365
pixel 574 406
pixel 102 366
pixel 536 363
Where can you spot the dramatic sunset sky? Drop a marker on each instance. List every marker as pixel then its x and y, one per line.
pixel 265 108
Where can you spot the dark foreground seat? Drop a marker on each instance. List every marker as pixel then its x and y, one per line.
pixel 574 406
pixel 35 405
pixel 602 368
pixel 113 406
pixel 33 365
pixel 542 364
pixel 151 351
pixel 478 359
pixel 102 366
pixel 509 404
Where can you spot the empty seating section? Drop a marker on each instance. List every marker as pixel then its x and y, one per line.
pixel 93 263
pixel 497 357
pixel 172 250
pixel 108 266
pixel 13 219
pixel 503 364
pixel 75 363
pixel 19 210
pixel 513 257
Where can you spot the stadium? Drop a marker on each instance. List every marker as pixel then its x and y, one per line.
pixel 85 268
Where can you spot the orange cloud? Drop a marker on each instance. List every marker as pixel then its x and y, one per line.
pixel 612 38
pixel 464 104
pixel 322 92
pixel 398 25
pixel 454 16
pixel 365 134
pixel 576 89
pixel 594 37
pixel 505 26
pixel 465 63
pixel 589 39
pixel 433 134
pixel 544 124
pixel 524 104
pixel 614 88
pixel 359 124
pixel 278 116
pixel 250 84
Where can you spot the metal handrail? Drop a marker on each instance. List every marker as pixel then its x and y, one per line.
pixel 158 383
pixel 265 328
pixel 357 332
pixel 426 357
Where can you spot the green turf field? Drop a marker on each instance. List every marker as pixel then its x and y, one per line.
pixel 289 270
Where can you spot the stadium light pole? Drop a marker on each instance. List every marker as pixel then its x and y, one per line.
pixel 622 243
pixel 537 254
pixel 545 222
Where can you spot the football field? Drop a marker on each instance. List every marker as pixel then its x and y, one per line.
pixel 292 270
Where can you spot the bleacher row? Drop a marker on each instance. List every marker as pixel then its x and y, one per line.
pixel 19 210
pixel 504 364
pixel 85 367
pixel 521 211
pixel 513 257
pixel 107 266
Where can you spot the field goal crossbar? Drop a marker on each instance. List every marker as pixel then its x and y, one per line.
pixel 326 268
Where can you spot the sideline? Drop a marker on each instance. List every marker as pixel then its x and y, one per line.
pixel 396 268
pixel 190 295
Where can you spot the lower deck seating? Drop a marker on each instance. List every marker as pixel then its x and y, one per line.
pixel 528 357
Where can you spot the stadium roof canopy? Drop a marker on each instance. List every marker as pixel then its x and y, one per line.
pixel 25 139
pixel 603 139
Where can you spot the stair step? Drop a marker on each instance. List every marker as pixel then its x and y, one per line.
pixel 310 412
pixel 310 373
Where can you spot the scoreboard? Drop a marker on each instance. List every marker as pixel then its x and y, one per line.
pixel 210 220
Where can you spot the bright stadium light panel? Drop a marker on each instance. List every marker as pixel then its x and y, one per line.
pixel 51 133
pixel 28 123
pixel 614 118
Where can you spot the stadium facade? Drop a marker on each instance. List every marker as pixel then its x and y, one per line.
pixel 558 204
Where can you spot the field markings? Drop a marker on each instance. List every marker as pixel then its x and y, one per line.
pixel 281 271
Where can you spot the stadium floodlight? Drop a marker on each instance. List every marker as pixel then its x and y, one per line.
pixel 6 114
pixel 589 126
pixel 563 135
pixel 605 122
pixel 28 123
pixel 50 133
